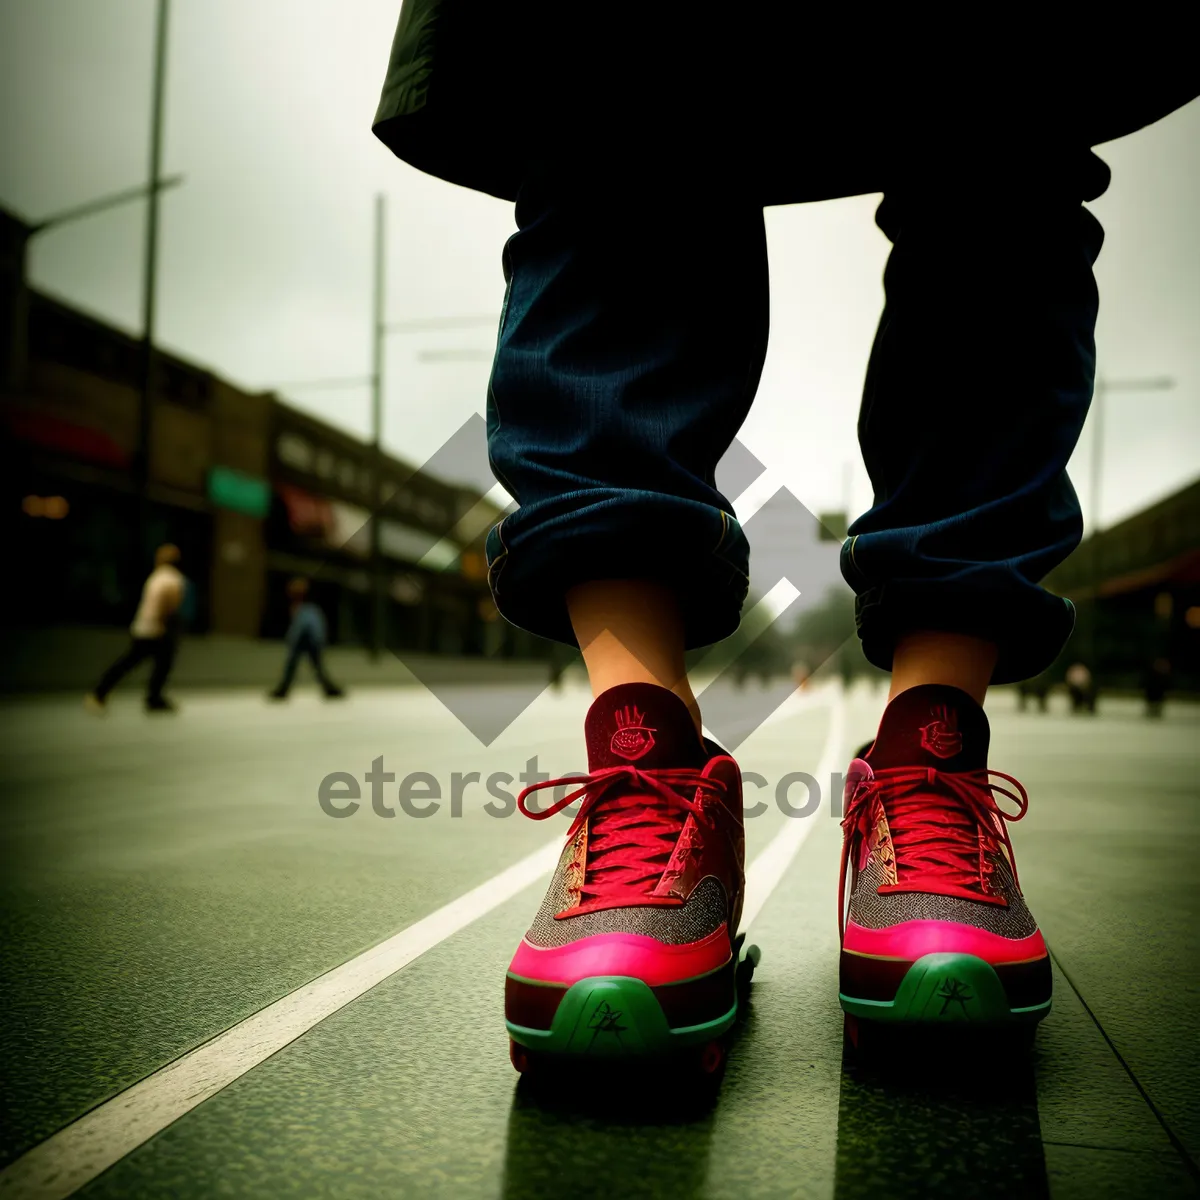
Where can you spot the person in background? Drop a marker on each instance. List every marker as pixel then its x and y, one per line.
pixel 1037 688
pixel 1156 685
pixel 1081 688
pixel 154 633
pixel 307 634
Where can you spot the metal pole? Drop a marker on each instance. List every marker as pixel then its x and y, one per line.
pixel 419 324
pixel 103 203
pixel 17 351
pixel 149 286
pixel 1097 453
pixel 379 330
pixel 1094 564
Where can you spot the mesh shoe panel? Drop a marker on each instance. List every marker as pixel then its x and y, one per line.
pixel 705 911
pixel 873 911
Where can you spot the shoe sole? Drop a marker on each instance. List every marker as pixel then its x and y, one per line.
pixel 615 1017
pixel 950 989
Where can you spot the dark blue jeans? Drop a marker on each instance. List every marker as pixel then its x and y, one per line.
pixel 631 343
pixel 305 646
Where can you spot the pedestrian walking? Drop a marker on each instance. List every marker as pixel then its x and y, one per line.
pixel 306 638
pixel 1155 685
pixel 154 634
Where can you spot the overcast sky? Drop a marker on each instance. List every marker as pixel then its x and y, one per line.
pixel 266 253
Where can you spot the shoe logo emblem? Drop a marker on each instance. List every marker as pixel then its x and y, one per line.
pixel 953 992
pixel 606 1019
pixel 633 738
pixel 941 736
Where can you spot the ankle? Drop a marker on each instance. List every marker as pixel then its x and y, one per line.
pixel 954 659
pixel 630 631
pixel 610 674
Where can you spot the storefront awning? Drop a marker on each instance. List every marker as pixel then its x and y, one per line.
pixel 308 515
pixel 51 432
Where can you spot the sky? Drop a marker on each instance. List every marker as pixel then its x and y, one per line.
pixel 266 252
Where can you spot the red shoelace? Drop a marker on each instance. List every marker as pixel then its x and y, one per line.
pixel 945 827
pixel 636 818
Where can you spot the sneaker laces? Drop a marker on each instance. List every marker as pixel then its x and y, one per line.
pixel 945 827
pixel 636 819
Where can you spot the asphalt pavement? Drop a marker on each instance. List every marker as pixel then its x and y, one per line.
pixel 215 984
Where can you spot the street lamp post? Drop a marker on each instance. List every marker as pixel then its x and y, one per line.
pixel 378 333
pixel 17 350
pixel 1095 561
pixel 150 281
pixel 381 328
pixel 101 204
pixel 17 353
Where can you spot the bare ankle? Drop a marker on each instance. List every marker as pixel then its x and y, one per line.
pixel 631 631
pixel 954 659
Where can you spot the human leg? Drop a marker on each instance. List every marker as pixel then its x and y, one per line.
pixel 290 663
pixel 316 657
pixel 631 344
pixel 162 651
pixel 138 650
pixel 977 388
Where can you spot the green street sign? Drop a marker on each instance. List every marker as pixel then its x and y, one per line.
pixel 239 492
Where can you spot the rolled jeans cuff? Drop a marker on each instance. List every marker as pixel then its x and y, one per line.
pixel 539 552
pixel 1029 625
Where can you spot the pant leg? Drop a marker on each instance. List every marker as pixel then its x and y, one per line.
pixel 294 651
pixel 163 649
pixel 977 388
pixel 316 657
pixel 632 340
pixel 139 649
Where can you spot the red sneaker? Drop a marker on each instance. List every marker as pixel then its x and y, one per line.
pixel 936 929
pixel 633 951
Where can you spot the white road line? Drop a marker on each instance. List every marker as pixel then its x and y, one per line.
pixel 78 1153
pixel 73 1156
pixel 765 872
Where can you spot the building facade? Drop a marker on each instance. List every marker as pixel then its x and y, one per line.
pixel 253 491
pixel 1137 588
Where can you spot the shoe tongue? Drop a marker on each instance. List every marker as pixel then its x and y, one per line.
pixel 644 725
pixel 932 726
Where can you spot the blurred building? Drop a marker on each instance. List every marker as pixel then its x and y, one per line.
pixel 253 491
pixel 1140 582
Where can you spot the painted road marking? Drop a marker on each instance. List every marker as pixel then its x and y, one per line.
pixel 92 1144
pixel 82 1150
pixel 765 872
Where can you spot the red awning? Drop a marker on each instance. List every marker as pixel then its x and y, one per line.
pixel 1182 570
pixel 308 515
pixel 65 437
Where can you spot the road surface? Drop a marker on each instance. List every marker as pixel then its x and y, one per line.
pixel 212 986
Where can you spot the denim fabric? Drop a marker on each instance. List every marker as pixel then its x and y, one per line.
pixel 632 339
pixel 304 645
pixel 626 364
pixel 977 388
pixel 308 621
